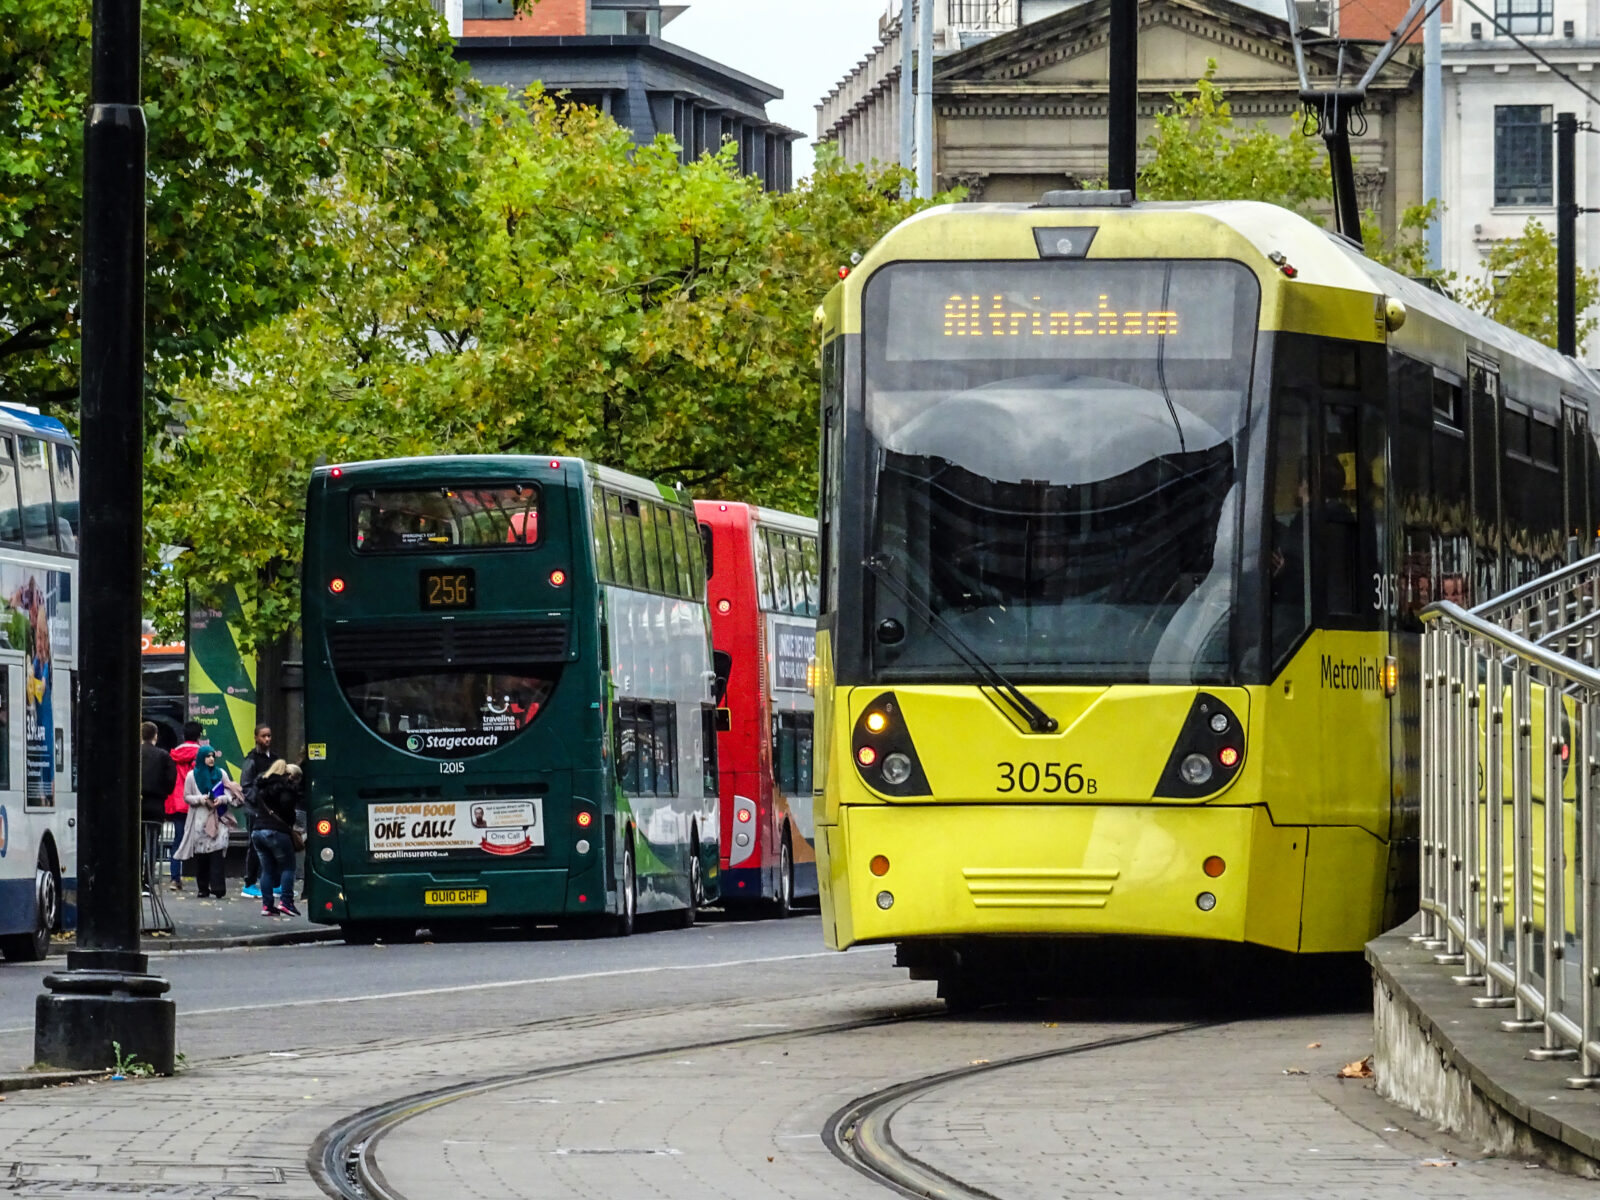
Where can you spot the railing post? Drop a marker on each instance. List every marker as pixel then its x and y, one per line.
pixel 1429 773
pixel 1522 844
pixel 1494 855
pixel 1555 880
pixel 1588 894
pixel 1463 782
pixel 1476 732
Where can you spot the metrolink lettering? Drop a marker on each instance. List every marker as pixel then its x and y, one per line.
pixel 1363 674
pixel 970 316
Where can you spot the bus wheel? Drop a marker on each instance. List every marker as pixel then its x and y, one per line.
pixel 783 902
pixel 32 947
pixel 622 923
pixel 691 913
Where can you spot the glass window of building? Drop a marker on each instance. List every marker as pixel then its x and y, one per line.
pixel 1525 16
pixel 1523 154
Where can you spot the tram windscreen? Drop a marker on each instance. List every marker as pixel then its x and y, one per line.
pixel 1057 450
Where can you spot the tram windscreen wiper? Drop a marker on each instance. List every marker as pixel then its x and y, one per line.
pixel 987 673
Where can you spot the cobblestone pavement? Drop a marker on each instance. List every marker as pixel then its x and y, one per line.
pixel 1207 1112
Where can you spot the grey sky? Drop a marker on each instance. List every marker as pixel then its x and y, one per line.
pixel 801 46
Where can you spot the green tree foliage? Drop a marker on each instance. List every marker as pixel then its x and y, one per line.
pixel 1198 152
pixel 252 110
pixel 1407 251
pixel 1518 287
pixel 598 299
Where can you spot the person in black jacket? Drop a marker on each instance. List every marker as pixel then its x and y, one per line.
pixel 158 775
pixel 278 795
pixel 255 765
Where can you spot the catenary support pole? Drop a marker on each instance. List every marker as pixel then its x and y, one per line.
pixel 908 95
pixel 1433 132
pixel 1566 234
pixel 1122 102
pixel 925 177
pixel 106 995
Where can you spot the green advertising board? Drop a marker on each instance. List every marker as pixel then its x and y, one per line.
pixel 222 679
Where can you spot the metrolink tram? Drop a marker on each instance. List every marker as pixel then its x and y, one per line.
pixel 1127 513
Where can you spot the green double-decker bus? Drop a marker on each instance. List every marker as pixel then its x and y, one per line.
pixel 510 697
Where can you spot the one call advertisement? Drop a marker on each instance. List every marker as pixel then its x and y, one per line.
pixel 435 829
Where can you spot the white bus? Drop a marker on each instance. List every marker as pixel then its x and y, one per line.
pixel 38 682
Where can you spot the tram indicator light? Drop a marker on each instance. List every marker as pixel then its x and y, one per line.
pixel 1228 756
pixel 866 756
pixel 1391 675
pixel 879 865
pixel 877 722
pixel 1214 866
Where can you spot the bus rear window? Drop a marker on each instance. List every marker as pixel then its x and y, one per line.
pixel 446 518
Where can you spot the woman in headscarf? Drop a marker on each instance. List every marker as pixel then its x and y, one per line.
pixel 208 792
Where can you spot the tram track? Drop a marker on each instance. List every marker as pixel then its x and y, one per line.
pixel 344 1158
pixel 861 1135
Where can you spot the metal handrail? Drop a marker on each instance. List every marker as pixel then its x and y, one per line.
pixel 1499 707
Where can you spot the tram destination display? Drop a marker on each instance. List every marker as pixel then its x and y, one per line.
pixel 1082 309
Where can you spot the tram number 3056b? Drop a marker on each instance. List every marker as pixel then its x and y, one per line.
pixel 1050 778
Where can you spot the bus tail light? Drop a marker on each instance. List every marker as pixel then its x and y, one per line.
pixel 744 831
pixel 585 819
pixel 558 577
pixel 324 827
pixel 884 752
pixel 336 586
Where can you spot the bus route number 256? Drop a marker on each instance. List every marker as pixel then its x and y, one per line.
pixel 1050 778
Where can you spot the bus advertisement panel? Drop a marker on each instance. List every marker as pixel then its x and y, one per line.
pixel 763 594
pixel 508 693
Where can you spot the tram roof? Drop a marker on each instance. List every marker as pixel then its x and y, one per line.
pixel 16 418
pixel 1320 258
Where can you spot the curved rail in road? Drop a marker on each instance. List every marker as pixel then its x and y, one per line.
pixel 860 1133
pixel 343 1159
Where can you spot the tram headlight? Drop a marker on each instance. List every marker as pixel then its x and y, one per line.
pixel 896 769
pixel 1205 901
pixel 1196 770
pixel 886 900
pixel 1219 722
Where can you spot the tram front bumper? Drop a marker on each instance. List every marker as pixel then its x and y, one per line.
pixel 1108 870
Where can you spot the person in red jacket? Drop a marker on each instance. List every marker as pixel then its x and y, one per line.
pixel 177 807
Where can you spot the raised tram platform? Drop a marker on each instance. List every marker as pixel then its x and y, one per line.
pixel 1486 1006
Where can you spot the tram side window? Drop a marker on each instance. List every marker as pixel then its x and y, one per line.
pixel 33 478
pixel 10 513
pixel 1451 495
pixel 617 536
pixel 1484 398
pixel 1290 559
pixel 1413 469
pixel 1575 474
pixel 1337 508
pixel 64 460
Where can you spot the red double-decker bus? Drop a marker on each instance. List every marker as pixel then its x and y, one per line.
pixel 764 591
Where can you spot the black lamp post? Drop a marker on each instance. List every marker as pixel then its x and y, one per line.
pixel 107 994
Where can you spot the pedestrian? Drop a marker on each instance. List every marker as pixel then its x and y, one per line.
pixel 208 793
pixel 157 776
pixel 279 793
pixel 183 755
pixel 257 761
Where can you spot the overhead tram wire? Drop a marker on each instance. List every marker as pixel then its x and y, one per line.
pixel 1557 71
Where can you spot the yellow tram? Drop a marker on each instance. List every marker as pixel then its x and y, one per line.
pixel 1127 513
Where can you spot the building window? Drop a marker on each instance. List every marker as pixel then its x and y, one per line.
pixel 634 22
pixel 487 10
pixel 1525 16
pixel 1522 154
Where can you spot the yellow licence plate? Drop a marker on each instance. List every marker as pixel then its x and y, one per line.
pixel 456 896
